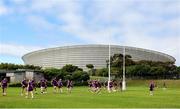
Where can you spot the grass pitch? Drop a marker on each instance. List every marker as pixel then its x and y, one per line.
pixel 133 97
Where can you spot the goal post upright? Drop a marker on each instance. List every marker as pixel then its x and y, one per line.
pixel 124 68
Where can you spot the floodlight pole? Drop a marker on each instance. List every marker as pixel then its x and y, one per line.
pixel 124 79
pixel 109 72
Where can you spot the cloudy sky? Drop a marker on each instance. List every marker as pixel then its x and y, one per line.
pixel 28 25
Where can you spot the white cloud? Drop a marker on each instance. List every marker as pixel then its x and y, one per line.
pixel 40 23
pixel 16 50
pixel 147 24
pixel 18 2
pixel 133 24
pixel 45 5
pixel 3 9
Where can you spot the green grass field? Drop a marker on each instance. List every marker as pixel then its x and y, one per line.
pixel 136 96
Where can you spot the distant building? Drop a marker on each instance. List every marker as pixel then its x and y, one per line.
pixel 80 55
pixel 15 76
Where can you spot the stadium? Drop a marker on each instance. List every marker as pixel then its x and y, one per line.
pixel 81 55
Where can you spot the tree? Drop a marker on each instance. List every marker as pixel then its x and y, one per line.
pixel 10 66
pixel 117 60
pixel 50 73
pixel 70 68
pixel 91 67
pixel 80 75
pixel 77 75
pixel 102 72
pixel 68 77
pixel 85 76
pixel 61 75
pixel 178 71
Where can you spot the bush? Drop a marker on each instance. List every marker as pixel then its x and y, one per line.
pixel 50 73
pixel 15 85
pixel 102 72
pixel 80 83
pixel 80 76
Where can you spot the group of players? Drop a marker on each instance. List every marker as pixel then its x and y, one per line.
pixel 95 86
pixel 29 86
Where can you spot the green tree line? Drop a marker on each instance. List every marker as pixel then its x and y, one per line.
pixel 10 66
pixel 139 69
pixel 66 72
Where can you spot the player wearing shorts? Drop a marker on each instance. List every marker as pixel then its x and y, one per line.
pixel 110 86
pixel 43 85
pixel 4 84
pixel 151 87
pixel 34 86
pixel 98 86
pixel 24 85
pixel 30 89
pixel 95 86
pixel 55 84
pixel 69 86
pixel 90 84
pixel 60 85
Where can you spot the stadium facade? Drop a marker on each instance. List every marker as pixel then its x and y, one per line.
pixel 81 55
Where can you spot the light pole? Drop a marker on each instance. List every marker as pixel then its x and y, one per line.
pixel 124 78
